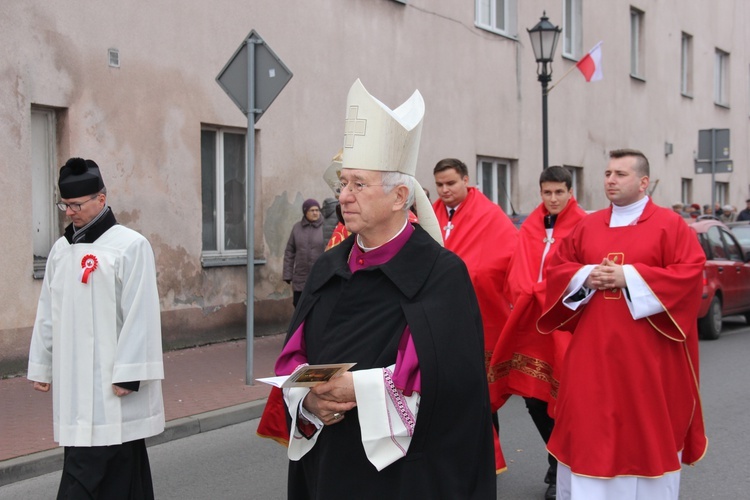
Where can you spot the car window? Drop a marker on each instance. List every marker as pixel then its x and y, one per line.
pixel 716 244
pixel 733 249
pixel 703 240
pixel 742 233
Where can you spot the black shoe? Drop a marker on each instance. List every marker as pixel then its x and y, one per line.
pixel 551 493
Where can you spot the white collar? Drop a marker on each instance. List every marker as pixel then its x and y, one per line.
pixel 448 209
pixel 625 215
pixel 366 249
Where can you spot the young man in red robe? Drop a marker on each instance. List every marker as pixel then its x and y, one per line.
pixel 479 232
pixel 524 362
pixel 627 282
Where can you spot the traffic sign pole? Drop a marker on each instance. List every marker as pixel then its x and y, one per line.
pixel 252 89
pixel 250 221
pixel 713 170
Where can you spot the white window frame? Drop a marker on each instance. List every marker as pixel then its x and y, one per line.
pixel 485 16
pixel 572 29
pixel 721 78
pixel 686 65
pixel 636 44
pixel 577 177
pixel 721 193
pixel 686 187
pixel 45 216
pixel 222 256
pixel 490 187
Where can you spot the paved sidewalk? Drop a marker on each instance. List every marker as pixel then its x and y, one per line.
pixel 204 389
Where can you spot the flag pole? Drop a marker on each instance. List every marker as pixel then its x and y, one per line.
pixel 562 78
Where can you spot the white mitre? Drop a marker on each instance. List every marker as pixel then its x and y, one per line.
pixel 378 138
pixel 332 174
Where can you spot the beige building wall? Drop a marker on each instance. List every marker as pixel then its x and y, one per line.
pixel 142 121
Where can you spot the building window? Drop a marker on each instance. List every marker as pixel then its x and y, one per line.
pixel 721 193
pixel 721 78
pixel 687 191
pixel 636 44
pixel 493 179
pixel 223 171
pixel 577 174
pixel 499 16
pixel 572 29
pixel 686 66
pixel 46 219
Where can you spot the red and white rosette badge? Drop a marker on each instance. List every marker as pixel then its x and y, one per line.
pixel 88 266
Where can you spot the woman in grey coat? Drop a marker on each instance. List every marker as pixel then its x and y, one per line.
pixel 303 248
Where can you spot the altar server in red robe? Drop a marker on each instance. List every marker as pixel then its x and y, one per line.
pixel 478 231
pixel 525 362
pixel 627 282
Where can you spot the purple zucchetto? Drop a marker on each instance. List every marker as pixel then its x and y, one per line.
pixel 79 177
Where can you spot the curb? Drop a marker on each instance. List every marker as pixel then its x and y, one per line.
pixel 44 462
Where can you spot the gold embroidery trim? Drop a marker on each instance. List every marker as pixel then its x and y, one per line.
pixel 533 367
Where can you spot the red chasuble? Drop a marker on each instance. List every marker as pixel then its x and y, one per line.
pixel 340 233
pixel 524 362
pixel 484 237
pixel 628 399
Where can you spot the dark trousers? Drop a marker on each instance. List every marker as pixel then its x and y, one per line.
pixel 117 472
pixel 295 298
pixel 544 424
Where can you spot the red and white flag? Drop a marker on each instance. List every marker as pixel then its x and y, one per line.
pixel 591 64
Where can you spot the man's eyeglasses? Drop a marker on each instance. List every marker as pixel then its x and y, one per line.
pixel 76 207
pixel 356 185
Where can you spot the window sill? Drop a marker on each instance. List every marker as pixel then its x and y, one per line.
pixel 40 265
pixel 688 96
pixel 223 261
pixel 495 31
pixel 637 78
pixel 721 105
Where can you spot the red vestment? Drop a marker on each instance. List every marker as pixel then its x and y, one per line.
pixel 340 233
pixel 484 237
pixel 629 399
pixel 525 362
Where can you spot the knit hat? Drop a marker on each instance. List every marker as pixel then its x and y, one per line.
pixel 308 204
pixel 79 177
pixel 385 140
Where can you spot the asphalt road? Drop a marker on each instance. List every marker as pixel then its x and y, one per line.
pixel 233 463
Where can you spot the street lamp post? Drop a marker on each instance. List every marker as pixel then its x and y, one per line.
pixel 544 38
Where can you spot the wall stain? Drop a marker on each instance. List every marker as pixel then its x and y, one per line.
pixel 278 221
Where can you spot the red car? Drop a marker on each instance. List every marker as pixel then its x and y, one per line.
pixel 726 277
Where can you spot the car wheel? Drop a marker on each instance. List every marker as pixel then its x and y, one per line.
pixel 709 326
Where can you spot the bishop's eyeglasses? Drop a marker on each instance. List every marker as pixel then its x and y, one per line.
pixel 357 186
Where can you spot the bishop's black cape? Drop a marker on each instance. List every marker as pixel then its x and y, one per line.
pixel 360 318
